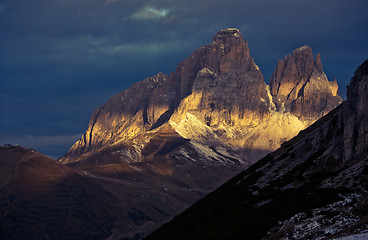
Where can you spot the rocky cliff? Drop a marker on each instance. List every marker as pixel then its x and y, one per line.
pixel 313 187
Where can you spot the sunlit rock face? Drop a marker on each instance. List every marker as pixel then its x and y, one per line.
pixel 220 89
pixel 228 94
pixel 300 86
pixel 125 115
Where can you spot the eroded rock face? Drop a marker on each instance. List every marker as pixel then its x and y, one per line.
pixel 229 89
pixel 300 86
pixel 125 115
pixel 291 74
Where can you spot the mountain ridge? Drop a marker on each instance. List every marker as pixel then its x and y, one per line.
pixel 221 86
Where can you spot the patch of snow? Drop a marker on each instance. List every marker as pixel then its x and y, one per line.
pixel 272 107
pixel 361 236
pixel 321 225
pixel 302 48
pixel 264 202
pixel 289 186
pixel 224 152
pixel 192 128
pixel 206 71
pixel 185 155
pixel 205 151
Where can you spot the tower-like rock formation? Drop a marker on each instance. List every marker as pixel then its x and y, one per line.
pixel 229 89
pixel 300 86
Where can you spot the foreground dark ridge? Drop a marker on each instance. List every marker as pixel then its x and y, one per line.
pixel 319 179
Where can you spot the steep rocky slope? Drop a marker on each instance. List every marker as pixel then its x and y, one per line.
pixel 313 187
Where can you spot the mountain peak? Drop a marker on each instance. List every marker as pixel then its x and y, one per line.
pixel 298 82
pixel 303 48
pixel 230 51
pixel 224 34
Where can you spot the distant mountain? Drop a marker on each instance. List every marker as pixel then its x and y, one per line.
pixel 187 133
pixel 43 199
pixel 314 187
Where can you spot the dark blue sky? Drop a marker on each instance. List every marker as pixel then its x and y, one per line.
pixel 61 59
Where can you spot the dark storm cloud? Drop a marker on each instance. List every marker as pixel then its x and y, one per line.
pixel 61 59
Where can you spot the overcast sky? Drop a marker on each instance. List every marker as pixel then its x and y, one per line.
pixel 61 59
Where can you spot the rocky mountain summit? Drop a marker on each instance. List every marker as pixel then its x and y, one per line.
pixel 218 96
pixel 315 186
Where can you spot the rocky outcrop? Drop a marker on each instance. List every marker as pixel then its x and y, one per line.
pixel 300 86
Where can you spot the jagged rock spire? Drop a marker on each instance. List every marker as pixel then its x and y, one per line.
pixel 300 86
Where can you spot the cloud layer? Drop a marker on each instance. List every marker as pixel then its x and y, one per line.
pixel 150 13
